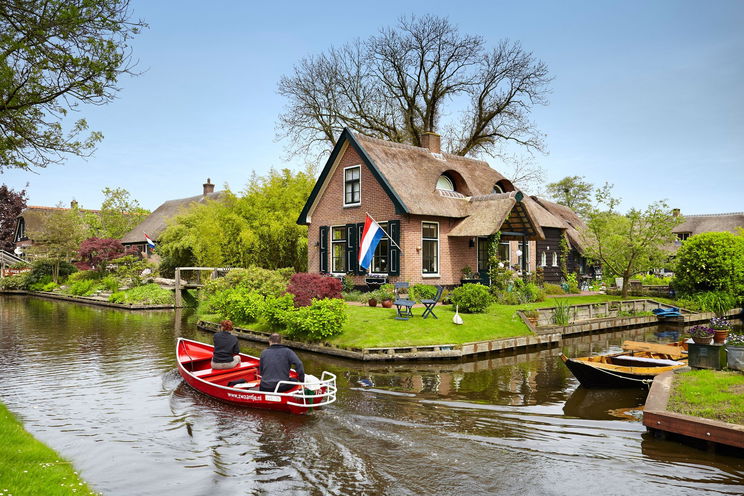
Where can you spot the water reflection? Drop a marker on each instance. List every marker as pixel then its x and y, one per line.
pixel 101 387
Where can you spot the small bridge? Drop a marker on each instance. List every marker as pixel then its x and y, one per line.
pixel 183 284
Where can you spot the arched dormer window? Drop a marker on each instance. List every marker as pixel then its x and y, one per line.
pixel 503 186
pixel 445 183
pixel 497 188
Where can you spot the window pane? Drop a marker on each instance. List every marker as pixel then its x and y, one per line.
pixel 482 254
pixel 339 233
pixel 504 251
pixel 339 257
pixel 429 257
pixel 430 230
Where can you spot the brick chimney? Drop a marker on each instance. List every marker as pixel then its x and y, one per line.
pixel 675 212
pixel 208 187
pixel 74 204
pixel 432 141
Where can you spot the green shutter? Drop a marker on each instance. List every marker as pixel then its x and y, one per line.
pixel 393 250
pixel 323 244
pixel 360 229
pixel 352 263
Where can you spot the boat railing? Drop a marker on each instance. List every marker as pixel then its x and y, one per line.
pixel 310 395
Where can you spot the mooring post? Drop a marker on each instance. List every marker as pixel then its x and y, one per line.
pixel 179 302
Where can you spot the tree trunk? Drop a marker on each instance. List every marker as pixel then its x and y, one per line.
pixel 626 284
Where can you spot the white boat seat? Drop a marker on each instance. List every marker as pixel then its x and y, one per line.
pixel 651 361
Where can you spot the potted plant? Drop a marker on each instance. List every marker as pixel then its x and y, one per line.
pixel 372 298
pixel 735 351
pixel 386 294
pixel 468 275
pixel 722 327
pixel 701 334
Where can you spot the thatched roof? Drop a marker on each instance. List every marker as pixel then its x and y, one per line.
pixel 696 224
pixel 34 217
pixel 571 222
pixel 155 223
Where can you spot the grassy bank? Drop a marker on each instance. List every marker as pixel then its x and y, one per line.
pixel 28 467
pixel 710 394
pixel 373 327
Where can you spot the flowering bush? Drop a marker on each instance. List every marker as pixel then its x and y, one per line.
pixel 735 340
pixel 720 324
pixel 701 331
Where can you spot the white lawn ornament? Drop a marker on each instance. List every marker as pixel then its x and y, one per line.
pixel 457 319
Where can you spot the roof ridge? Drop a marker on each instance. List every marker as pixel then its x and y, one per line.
pixel 406 146
pixel 713 215
pixel 60 208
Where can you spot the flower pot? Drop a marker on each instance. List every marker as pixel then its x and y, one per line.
pixel 372 302
pixel 387 303
pixel 720 335
pixel 735 357
pixel 703 340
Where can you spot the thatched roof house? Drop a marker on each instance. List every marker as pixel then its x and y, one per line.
pixel 696 224
pixel 437 210
pixel 33 219
pixel 155 223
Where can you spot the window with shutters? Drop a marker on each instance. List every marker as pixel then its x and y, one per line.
pixel 338 250
pixel 380 260
pixel 352 186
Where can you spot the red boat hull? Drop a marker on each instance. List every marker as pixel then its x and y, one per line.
pixel 194 365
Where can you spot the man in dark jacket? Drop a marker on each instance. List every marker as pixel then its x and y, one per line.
pixel 276 361
pixel 226 349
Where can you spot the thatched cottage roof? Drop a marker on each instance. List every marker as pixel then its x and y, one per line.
pixel 34 217
pixel 568 219
pixel 155 223
pixel 696 224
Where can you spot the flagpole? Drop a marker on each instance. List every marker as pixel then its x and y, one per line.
pixel 383 230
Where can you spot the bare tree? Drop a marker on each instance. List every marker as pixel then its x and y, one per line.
pixel 396 86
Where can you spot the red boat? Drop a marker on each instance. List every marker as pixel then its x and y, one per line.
pixel 239 385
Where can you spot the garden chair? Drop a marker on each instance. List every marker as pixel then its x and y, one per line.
pixel 429 304
pixel 404 305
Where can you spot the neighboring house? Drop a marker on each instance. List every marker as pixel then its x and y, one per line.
pixel 696 224
pixel 33 219
pixel 438 208
pixel 155 223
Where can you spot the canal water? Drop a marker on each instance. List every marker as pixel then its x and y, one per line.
pixel 100 386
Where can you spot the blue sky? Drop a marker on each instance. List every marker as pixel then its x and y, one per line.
pixel 648 96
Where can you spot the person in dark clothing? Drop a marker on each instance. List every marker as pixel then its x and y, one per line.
pixel 226 348
pixel 276 361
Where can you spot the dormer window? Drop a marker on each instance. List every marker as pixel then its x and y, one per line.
pixel 497 189
pixel 503 186
pixel 445 183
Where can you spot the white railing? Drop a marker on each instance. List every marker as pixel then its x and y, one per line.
pixel 308 394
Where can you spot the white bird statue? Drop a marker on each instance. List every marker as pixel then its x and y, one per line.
pixel 457 319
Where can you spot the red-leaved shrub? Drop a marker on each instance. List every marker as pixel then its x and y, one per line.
pixel 306 286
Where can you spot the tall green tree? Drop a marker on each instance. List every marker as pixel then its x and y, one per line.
pixel 711 262
pixel 574 192
pixel 58 237
pixel 119 214
pixel 255 228
pixel 54 56
pixel 632 243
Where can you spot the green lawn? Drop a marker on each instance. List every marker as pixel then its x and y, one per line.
pixel 373 327
pixel 709 394
pixel 28 467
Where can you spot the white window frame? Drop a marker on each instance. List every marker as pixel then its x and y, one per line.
pixel 543 259
pixel 332 268
pixel 344 186
pixel 439 260
pixel 555 259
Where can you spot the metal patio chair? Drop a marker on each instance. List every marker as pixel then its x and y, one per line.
pixel 404 305
pixel 429 304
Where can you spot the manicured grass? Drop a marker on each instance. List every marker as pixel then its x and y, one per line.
pixel 373 327
pixel 28 467
pixel 710 394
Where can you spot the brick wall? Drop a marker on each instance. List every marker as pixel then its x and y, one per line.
pixel 454 253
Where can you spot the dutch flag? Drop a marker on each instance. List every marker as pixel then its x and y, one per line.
pixel 371 236
pixel 149 241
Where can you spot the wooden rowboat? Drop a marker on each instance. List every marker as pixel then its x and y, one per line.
pixel 239 385
pixel 636 366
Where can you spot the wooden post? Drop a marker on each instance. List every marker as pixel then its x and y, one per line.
pixel 179 302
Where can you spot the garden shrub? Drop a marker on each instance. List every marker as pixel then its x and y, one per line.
pixel 553 289
pixel 263 281
pixel 573 283
pixel 711 262
pixel 320 320
pixel 40 283
pixel 240 304
pixel 44 267
pixel 278 309
pixel 148 294
pixel 718 302
pixel 110 283
pixel 18 281
pixel 471 298
pixel 420 292
pixel 50 286
pixel 347 284
pixel 82 288
pixel 306 286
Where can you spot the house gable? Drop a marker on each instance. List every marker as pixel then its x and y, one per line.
pixel 346 141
